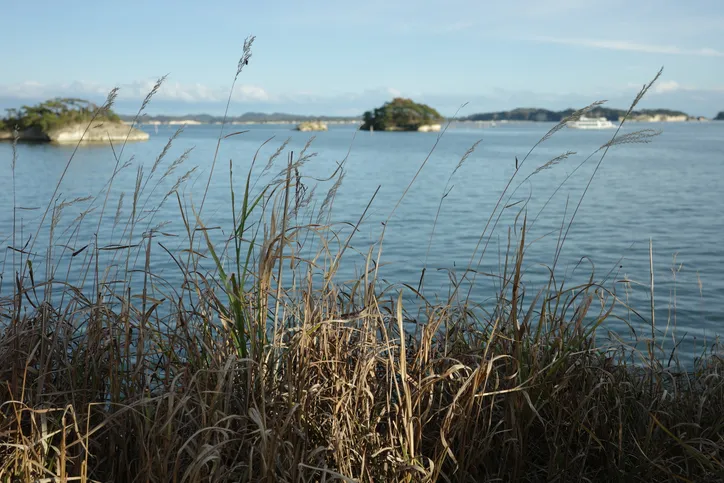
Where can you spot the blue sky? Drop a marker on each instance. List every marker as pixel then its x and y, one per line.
pixel 343 57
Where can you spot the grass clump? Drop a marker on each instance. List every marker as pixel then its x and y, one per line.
pixel 262 366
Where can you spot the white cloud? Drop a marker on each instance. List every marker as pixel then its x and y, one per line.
pixel 394 92
pixel 673 87
pixel 631 46
pixel 251 93
pixel 180 98
pixel 666 86
pixel 137 90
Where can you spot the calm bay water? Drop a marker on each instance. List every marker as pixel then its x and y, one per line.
pixel 668 190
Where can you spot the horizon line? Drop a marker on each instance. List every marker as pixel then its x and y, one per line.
pixel 190 114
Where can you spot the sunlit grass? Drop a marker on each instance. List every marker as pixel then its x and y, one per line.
pixel 263 366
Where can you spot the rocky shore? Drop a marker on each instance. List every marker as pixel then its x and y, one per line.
pixel 98 132
pixel 312 126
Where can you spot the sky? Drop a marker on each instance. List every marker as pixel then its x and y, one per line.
pixel 344 57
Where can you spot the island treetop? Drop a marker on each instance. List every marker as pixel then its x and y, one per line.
pixel 400 115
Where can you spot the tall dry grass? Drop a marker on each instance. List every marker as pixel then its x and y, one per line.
pixel 262 366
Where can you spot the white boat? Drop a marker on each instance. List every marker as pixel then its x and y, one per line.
pixel 591 123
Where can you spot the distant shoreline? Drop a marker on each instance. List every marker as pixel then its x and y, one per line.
pixel 191 122
pixel 514 115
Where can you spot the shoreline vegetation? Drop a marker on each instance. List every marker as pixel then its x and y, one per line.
pixel 515 115
pixel 402 115
pixel 263 366
pixel 614 115
pixel 66 121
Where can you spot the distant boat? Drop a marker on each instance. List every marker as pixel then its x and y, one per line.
pixel 591 123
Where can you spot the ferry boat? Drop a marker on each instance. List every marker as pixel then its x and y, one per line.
pixel 591 123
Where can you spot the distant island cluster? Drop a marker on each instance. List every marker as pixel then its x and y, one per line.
pixel 403 112
pixel 66 120
pixel 614 115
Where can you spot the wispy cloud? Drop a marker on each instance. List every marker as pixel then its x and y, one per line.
pixel 667 86
pixel 180 98
pixel 137 90
pixel 174 96
pixel 673 87
pixel 631 46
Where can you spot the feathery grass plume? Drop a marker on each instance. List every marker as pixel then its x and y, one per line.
pixel 166 148
pixel 119 208
pixel 137 190
pixel 305 200
pixel 642 93
pixel 110 99
pixel 151 93
pixel 276 154
pixel 158 227
pixel 244 60
pixel 108 104
pixel 300 189
pixel 13 161
pixel 306 146
pixel 126 164
pixel 575 116
pixel 605 149
pixel 643 136
pixel 465 156
pixel 79 199
pixel 554 161
pixel 58 209
pixel 181 180
pixel 79 218
pixel 327 203
pixel 245 55
pixel 178 162
pixel 302 158
pixel 445 192
pixel 14 147
pixel 302 195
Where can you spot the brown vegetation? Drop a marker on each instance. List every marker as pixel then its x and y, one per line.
pixel 262 367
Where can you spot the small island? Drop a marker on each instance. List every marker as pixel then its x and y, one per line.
pixel 311 126
pixel 720 116
pixel 66 121
pixel 402 115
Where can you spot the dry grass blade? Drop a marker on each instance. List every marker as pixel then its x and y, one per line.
pixel 246 54
pixel 152 93
pixel 166 148
pixel 276 154
pixel 110 100
pixel 119 208
pixel 328 200
pixel 575 116
pixel 554 161
pixel 177 162
pixel 642 136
